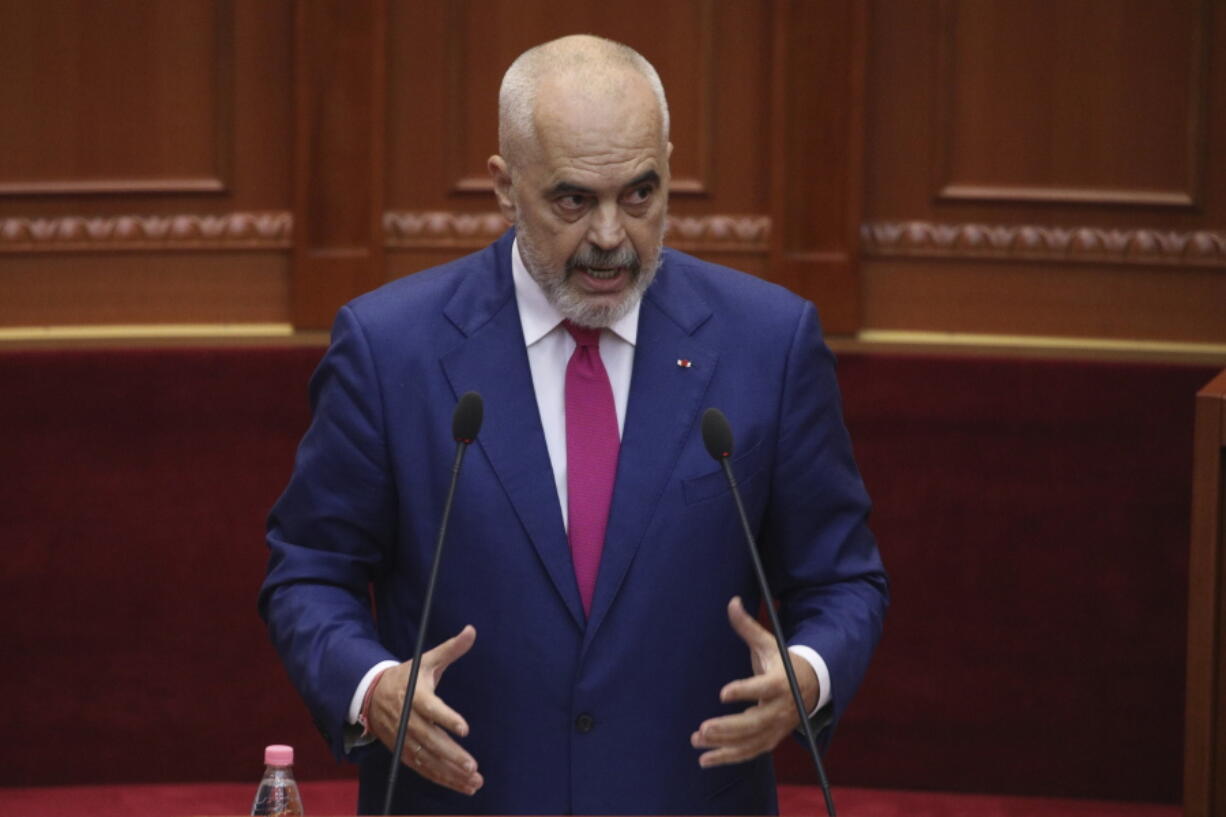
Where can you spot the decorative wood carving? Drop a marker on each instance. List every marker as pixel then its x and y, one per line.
pixel 1030 242
pixel 442 229
pixel 183 231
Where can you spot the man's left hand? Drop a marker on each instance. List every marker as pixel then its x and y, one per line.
pixel 745 735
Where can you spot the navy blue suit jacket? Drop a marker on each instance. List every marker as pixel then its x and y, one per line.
pixel 363 505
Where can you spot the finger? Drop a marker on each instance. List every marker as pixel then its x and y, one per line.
pixel 430 708
pixel 750 631
pixel 729 729
pixel 764 687
pixel 444 774
pixel 732 754
pixel 439 746
pixel 444 654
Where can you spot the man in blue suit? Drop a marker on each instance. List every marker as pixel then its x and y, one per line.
pixel 585 673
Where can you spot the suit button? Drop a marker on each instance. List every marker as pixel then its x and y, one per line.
pixel 584 723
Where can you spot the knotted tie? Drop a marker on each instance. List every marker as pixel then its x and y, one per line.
pixel 592 443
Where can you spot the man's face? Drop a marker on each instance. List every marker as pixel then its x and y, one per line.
pixel 590 199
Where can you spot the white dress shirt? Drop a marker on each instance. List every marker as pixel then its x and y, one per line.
pixel 549 348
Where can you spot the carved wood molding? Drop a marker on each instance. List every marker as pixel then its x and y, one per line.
pixel 179 231
pixel 1028 242
pixel 437 229
pixel 720 233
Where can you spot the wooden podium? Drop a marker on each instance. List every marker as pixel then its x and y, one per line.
pixel 1205 733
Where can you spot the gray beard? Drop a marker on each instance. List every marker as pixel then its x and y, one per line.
pixel 573 305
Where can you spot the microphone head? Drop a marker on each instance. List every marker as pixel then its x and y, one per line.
pixel 466 421
pixel 716 434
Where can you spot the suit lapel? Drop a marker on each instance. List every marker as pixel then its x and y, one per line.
pixel 662 411
pixel 492 360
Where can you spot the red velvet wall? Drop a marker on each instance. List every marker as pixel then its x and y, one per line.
pixel 1033 516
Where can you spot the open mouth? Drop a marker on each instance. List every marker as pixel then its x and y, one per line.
pixel 603 274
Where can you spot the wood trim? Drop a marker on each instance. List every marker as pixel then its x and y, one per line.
pixel 677 187
pixel 1033 242
pixel 117 187
pixel 260 230
pixel 1173 349
pixel 1205 732
pixel 1064 195
pixel 440 229
pixel 23 334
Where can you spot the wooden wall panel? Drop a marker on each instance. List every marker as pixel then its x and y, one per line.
pixel 108 66
pixel 1046 168
pixel 348 140
pixel 149 140
pixel 340 105
pixel 150 286
pixel 1116 90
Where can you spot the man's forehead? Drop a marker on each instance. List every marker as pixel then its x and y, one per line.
pixel 563 183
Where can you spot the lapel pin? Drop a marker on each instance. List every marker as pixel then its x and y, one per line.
pixel 684 364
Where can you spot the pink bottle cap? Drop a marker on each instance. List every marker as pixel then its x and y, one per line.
pixel 278 755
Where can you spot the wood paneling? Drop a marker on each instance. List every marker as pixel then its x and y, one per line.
pixel 82 74
pixel 136 128
pixel 1046 168
pixel 1029 298
pixel 340 49
pixel 816 145
pixel 1117 90
pixel 1205 732
pixel 53 289
pixel 338 133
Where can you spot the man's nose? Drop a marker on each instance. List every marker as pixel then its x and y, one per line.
pixel 606 230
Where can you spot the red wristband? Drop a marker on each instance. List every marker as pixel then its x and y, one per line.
pixel 370 692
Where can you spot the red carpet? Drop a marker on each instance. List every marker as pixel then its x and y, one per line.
pixel 338 798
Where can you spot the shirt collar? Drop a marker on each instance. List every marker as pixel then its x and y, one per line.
pixel 539 317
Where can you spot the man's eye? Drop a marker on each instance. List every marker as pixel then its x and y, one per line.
pixel 572 202
pixel 639 195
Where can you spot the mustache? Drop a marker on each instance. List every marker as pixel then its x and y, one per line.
pixel 589 257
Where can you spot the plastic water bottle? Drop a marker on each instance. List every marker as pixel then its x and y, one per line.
pixel 278 793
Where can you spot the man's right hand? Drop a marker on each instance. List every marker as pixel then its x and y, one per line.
pixel 428 748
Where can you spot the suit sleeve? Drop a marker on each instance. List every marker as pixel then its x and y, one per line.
pixel 329 536
pixel 823 559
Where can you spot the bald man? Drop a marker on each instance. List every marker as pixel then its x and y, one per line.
pixel 593 648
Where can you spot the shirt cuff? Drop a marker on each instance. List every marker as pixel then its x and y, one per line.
pixel 819 667
pixel 356 736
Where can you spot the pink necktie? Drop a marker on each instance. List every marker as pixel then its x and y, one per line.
pixel 592 443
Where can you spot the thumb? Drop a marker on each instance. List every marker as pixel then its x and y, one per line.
pixel 453 648
pixel 750 631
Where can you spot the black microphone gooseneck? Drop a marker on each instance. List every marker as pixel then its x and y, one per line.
pixel 717 437
pixel 465 423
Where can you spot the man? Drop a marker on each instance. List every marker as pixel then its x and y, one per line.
pixel 598 656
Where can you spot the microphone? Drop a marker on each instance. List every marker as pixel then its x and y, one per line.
pixel 717 437
pixel 465 423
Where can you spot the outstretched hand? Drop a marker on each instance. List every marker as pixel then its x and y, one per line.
pixel 429 748
pixel 759 728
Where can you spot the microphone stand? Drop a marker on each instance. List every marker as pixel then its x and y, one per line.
pixel 715 425
pixel 467 413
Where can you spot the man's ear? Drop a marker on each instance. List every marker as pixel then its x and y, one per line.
pixel 500 174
